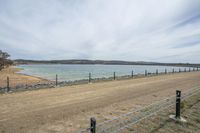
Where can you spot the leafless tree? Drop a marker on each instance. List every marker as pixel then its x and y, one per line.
pixel 4 61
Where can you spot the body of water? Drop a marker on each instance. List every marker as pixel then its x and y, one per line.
pixel 68 72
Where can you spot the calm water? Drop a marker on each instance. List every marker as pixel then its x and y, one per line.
pixel 77 72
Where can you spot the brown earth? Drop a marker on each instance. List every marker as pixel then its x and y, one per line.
pixel 68 109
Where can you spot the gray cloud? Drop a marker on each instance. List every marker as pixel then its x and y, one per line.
pixel 153 30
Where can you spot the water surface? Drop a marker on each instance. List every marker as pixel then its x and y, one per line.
pixel 68 72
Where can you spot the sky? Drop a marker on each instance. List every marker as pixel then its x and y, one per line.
pixel 130 30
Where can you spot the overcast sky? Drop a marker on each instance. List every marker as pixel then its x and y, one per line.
pixel 132 30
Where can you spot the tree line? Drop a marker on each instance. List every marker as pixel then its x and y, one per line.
pixel 4 61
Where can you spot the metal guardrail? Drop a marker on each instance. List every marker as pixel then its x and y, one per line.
pixel 124 121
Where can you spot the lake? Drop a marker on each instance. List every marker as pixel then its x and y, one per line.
pixel 68 72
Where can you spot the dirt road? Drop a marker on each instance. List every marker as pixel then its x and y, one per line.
pixel 67 109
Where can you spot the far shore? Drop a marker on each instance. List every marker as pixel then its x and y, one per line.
pixel 101 62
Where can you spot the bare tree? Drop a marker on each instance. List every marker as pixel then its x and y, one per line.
pixel 4 61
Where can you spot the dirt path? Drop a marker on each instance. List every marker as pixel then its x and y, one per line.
pixel 69 108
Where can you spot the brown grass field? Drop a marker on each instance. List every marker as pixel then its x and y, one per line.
pixel 68 109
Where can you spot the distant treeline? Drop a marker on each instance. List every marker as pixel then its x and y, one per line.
pixel 104 62
pixel 4 61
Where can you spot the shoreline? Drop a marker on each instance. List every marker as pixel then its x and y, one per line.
pixel 35 83
pixel 17 79
pixel 105 76
pixel 31 76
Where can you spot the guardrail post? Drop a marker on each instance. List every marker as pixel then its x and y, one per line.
pixel 92 125
pixel 56 79
pixel 145 73
pixel 114 75
pixel 165 71
pixel 8 84
pixel 178 104
pixel 132 74
pixel 156 71
pixel 89 78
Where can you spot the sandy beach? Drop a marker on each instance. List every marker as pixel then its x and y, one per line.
pixel 16 78
pixel 68 109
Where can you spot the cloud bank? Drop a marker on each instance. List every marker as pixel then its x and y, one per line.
pixel 132 30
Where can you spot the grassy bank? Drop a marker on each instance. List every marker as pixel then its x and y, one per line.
pixel 161 123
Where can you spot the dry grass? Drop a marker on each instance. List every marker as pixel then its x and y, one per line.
pixel 161 123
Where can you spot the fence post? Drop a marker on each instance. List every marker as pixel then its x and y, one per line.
pixel 114 75
pixel 189 69
pixel 165 71
pixel 179 70
pixel 56 79
pixel 193 68
pixel 145 73
pixel 156 71
pixel 132 74
pixel 185 70
pixel 197 68
pixel 178 104
pixel 92 125
pixel 8 84
pixel 89 78
pixel 173 70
